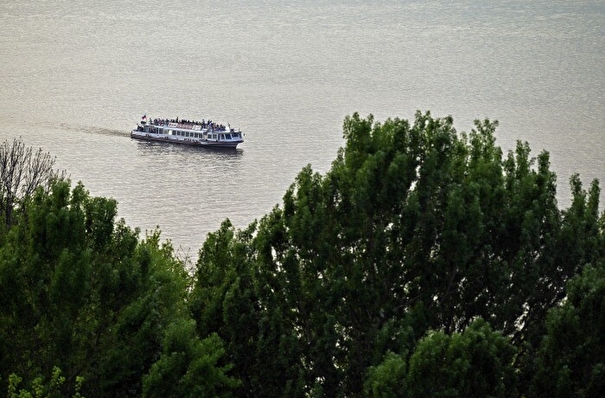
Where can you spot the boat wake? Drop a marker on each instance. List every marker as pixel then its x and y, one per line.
pixel 91 130
pixel 68 127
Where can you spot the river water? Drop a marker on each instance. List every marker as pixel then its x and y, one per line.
pixel 76 76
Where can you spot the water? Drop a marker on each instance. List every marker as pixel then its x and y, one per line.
pixel 76 77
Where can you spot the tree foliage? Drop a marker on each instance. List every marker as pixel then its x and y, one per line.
pixel 571 358
pixel 81 292
pixel 426 262
pixel 477 362
pixel 189 367
pixel 414 228
pixel 40 389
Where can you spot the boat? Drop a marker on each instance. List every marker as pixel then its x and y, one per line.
pixel 205 133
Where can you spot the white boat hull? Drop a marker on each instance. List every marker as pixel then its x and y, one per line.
pixel 217 143
pixel 204 134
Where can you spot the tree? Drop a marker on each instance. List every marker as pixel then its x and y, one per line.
pixel 387 380
pixel 475 363
pixel 414 228
pixel 233 298
pixel 40 389
pixel 82 293
pixel 22 171
pixel 189 367
pixel 571 358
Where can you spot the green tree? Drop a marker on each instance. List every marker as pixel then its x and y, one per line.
pixel 414 228
pixel 189 367
pixel 81 292
pixel 39 389
pixel 571 359
pixel 387 380
pixel 475 363
pixel 233 298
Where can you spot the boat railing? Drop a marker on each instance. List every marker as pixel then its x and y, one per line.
pixel 196 126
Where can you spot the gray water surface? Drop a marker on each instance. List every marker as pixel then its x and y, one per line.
pixel 76 76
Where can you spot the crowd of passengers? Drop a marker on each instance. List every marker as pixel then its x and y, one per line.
pixel 188 123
